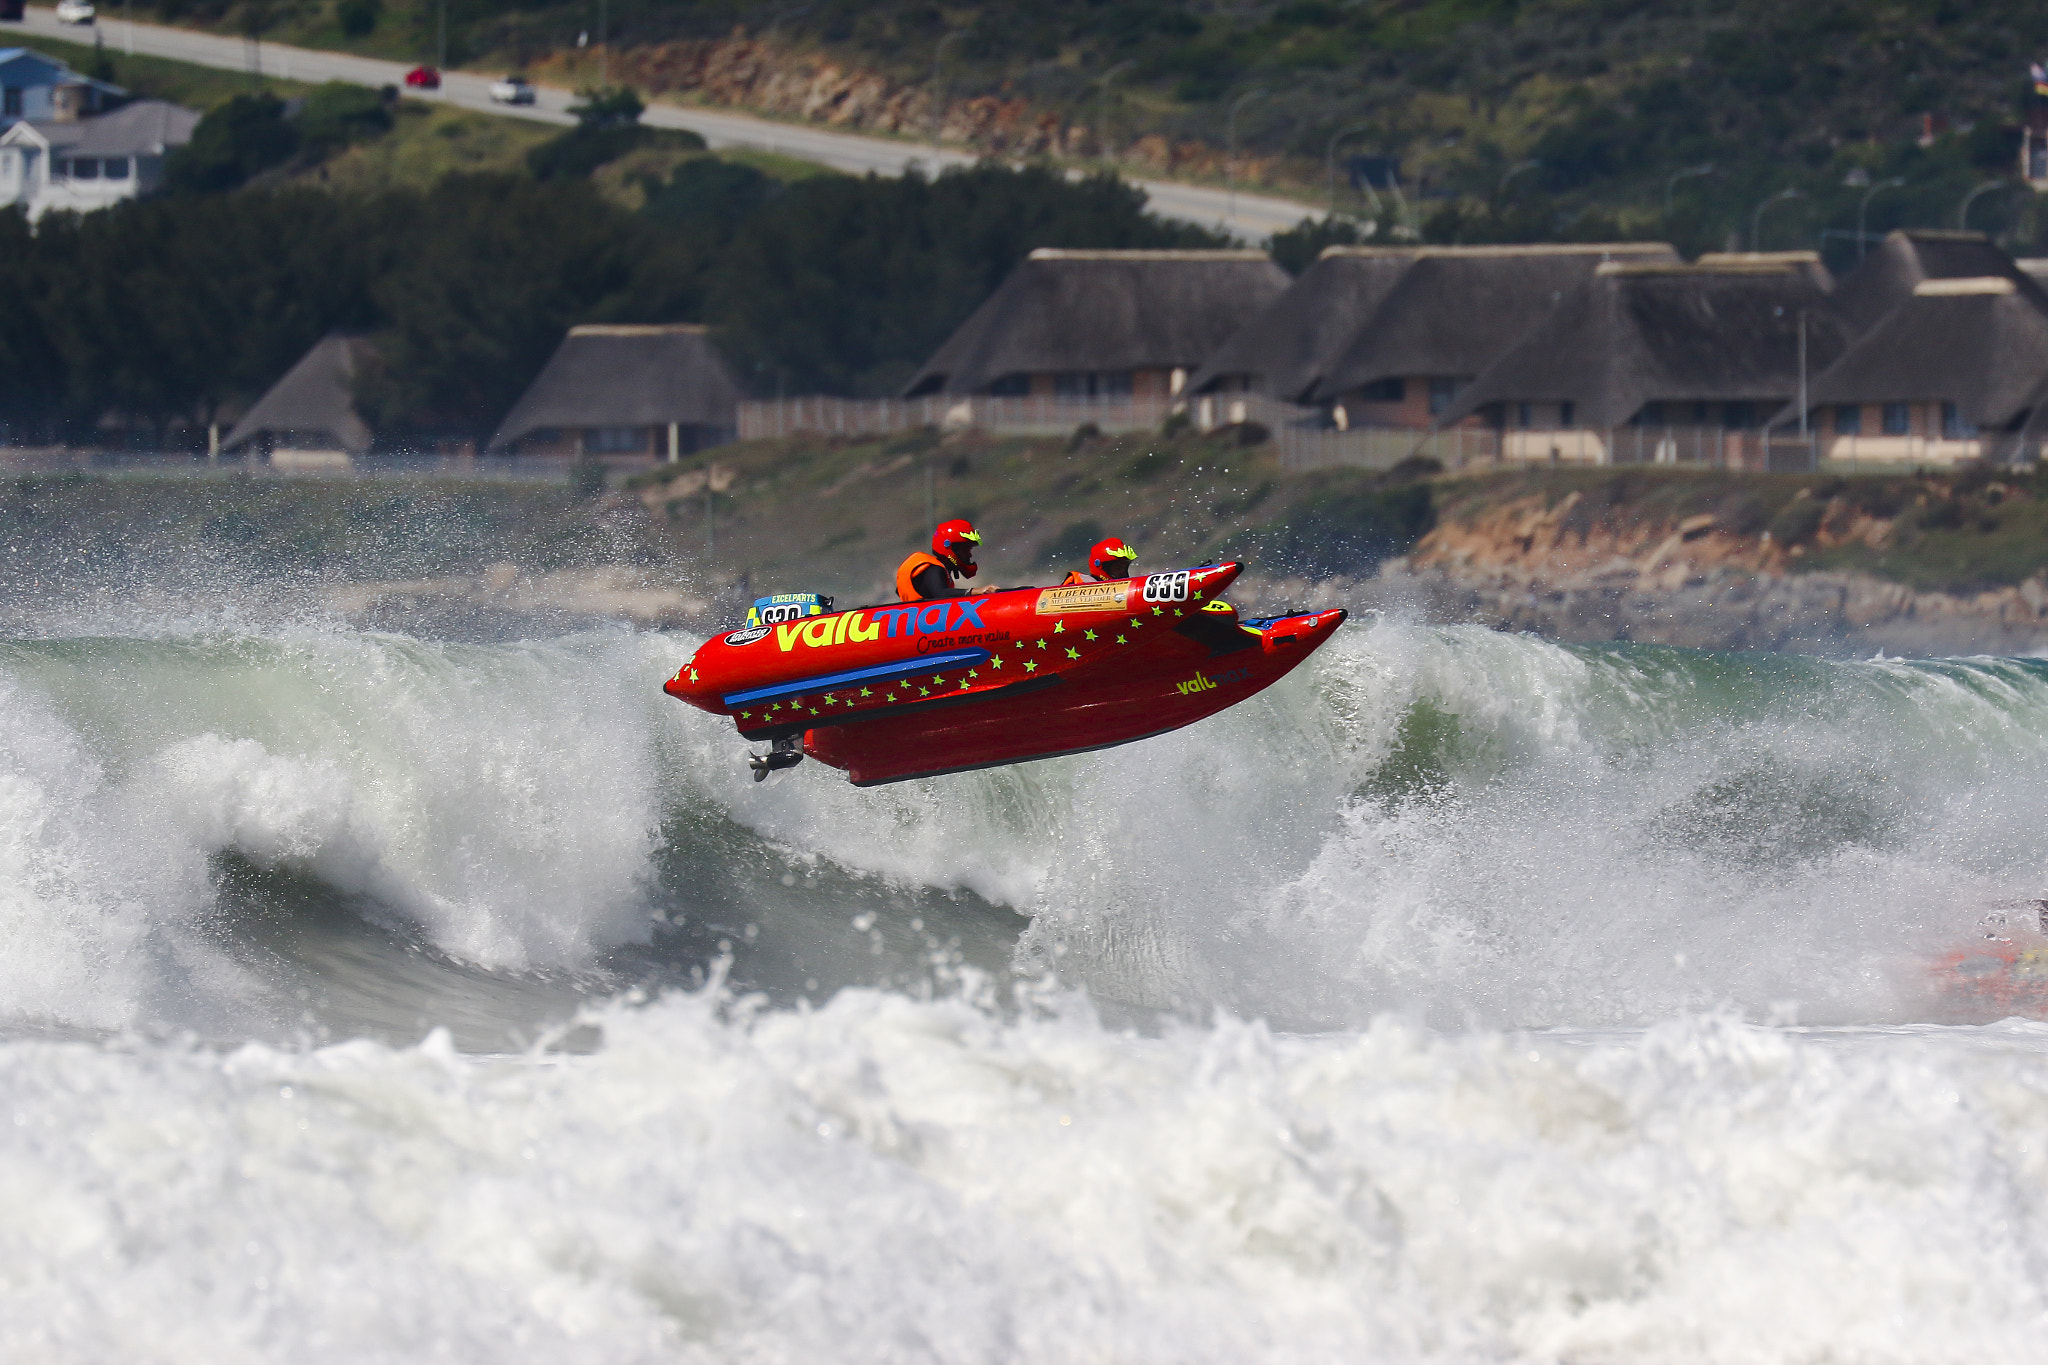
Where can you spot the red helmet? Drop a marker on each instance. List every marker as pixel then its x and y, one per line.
pixel 954 542
pixel 1111 559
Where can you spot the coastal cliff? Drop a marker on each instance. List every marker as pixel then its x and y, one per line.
pixel 1906 566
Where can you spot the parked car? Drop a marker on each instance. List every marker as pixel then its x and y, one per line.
pixel 512 90
pixel 423 78
pixel 74 12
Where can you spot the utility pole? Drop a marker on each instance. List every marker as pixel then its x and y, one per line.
pixel 1230 162
pixel 1963 213
pixel 938 100
pixel 1102 142
pixel 1330 163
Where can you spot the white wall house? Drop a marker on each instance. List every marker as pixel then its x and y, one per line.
pixel 33 86
pixel 93 162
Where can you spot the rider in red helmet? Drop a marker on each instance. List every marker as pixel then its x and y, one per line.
pixel 923 577
pixel 1108 559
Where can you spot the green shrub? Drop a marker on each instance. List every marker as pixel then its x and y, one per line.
pixel 359 17
pixel 1797 520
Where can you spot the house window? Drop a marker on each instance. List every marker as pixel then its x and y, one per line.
pixel 10 102
pixel 1567 413
pixel 1738 416
pixel 1383 391
pixel 115 168
pixel 1703 414
pixel 1954 426
pixel 1849 419
pixel 616 440
pixel 1115 384
pixel 1441 392
pixel 1072 384
pixel 59 168
pixel 1650 415
pixel 1897 419
pixel 1525 417
pixel 1078 384
pixel 1011 386
pixel 85 168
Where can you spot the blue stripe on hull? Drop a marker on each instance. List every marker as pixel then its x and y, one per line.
pixel 826 682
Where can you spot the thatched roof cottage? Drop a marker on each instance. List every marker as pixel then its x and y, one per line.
pixel 626 391
pixel 1101 324
pixel 1956 372
pixel 1661 354
pixel 308 418
pixel 1887 277
pixel 1386 336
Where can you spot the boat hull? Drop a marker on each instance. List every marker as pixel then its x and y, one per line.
pixel 916 689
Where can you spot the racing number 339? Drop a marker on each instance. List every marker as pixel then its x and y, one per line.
pixel 1167 587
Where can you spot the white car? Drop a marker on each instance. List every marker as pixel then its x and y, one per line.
pixel 74 12
pixel 512 90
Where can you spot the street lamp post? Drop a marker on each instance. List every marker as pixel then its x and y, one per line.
pixel 1756 220
pixel 1963 213
pixel 938 103
pixel 1102 134
pixel 1230 162
pixel 1330 161
pixel 1863 210
pixel 1687 174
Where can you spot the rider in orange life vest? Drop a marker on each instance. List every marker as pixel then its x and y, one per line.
pixel 1108 559
pixel 925 577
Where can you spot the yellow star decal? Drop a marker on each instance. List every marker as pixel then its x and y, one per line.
pixel 1198 597
pixel 973 672
pixel 1041 644
pixel 1176 611
pixel 693 675
pixel 1059 627
pixel 965 683
pixel 814 710
pixel 924 691
pixel 831 700
pixel 890 697
pixel 1159 611
pixel 996 662
pixel 937 680
pixel 1073 653
pixel 865 693
pixel 1031 666
pixel 745 714
pixel 1121 640
pixel 1090 634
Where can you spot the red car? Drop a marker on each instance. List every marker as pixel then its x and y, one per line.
pixel 423 78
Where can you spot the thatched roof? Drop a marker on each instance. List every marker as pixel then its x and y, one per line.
pixel 627 376
pixel 1638 334
pixel 1981 344
pixel 1103 311
pixel 1457 310
pixel 1887 276
pixel 1290 345
pixel 316 395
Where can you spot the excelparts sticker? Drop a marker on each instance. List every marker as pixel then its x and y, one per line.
pixel 1082 597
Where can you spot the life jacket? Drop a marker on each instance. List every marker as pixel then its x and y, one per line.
pixel 908 570
pixel 1076 576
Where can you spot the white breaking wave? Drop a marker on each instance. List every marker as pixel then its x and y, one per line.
pixel 888 1180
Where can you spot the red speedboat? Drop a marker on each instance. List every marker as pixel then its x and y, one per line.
pixel 916 689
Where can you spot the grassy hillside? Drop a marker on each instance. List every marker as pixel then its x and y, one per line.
pixel 1609 98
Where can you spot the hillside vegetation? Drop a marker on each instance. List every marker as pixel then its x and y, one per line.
pixel 1609 98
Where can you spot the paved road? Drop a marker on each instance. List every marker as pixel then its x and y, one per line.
pixel 1251 217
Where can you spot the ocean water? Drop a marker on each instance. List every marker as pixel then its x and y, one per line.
pixel 1465 997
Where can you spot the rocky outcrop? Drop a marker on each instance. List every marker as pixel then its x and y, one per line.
pixel 1568 572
